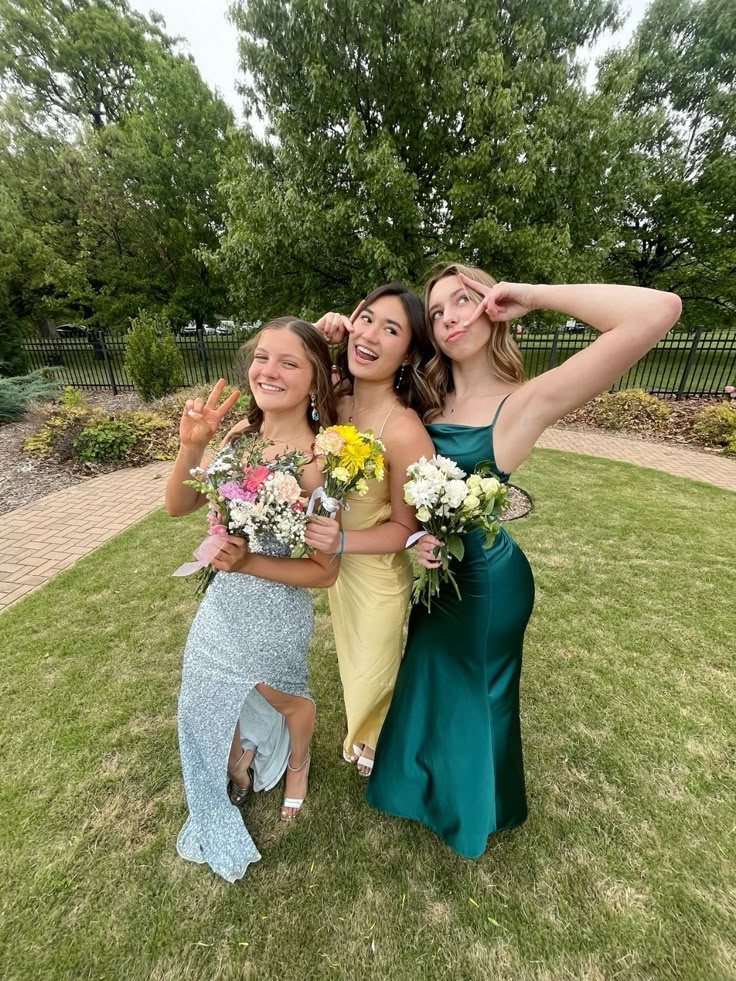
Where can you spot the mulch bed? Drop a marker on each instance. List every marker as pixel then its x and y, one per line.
pixel 678 429
pixel 26 477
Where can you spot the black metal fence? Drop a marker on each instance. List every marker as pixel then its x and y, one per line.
pixel 697 362
pixel 99 361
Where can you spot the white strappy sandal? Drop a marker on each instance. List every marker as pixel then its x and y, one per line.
pixel 367 762
pixel 295 803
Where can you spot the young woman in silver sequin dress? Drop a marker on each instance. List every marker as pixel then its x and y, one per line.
pixel 245 656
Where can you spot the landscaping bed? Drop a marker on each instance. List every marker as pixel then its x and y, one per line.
pixel 45 451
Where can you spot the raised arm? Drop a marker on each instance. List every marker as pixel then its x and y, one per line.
pixel 631 320
pixel 335 327
pixel 199 422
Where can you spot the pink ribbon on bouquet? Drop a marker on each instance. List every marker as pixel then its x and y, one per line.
pixel 204 554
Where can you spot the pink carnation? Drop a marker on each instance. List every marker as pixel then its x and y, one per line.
pixel 255 477
pixel 217 530
pixel 233 491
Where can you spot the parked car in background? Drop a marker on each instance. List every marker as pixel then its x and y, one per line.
pixel 71 330
pixel 191 328
pixel 574 327
pixel 225 327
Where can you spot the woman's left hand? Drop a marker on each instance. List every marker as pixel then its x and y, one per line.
pixel 232 552
pixel 504 301
pixel 323 534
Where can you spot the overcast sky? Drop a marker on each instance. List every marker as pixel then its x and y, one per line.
pixel 212 39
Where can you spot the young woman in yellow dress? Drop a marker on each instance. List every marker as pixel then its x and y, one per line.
pixel 383 364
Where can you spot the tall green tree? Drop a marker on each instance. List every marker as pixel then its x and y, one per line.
pixel 403 131
pixel 112 166
pixel 150 203
pixel 676 88
pixel 76 59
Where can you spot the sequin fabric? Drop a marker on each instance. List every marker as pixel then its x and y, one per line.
pixel 246 630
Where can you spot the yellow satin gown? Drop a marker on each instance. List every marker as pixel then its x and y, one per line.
pixel 368 604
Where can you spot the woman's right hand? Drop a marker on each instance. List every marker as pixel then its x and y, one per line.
pixel 335 327
pixel 200 420
pixel 323 534
pixel 425 549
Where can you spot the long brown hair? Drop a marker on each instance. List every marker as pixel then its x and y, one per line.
pixel 410 383
pixel 318 355
pixel 504 356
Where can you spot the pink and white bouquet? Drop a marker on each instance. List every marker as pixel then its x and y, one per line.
pixel 257 499
pixel 449 504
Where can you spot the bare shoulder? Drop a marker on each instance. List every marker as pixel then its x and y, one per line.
pixel 404 431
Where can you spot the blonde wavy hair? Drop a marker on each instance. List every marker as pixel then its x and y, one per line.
pixel 504 357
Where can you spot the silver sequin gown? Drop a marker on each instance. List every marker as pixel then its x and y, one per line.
pixel 246 630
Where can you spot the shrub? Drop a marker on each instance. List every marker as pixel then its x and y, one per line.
pixel 152 359
pixel 87 435
pixel 16 393
pixel 13 356
pixel 72 397
pixel 104 440
pixel 715 425
pixel 630 409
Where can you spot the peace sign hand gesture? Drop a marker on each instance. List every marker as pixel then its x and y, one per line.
pixel 334 327
pixel 200 420
pixel 504 301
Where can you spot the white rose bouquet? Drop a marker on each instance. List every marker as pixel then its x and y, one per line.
pixel 449 504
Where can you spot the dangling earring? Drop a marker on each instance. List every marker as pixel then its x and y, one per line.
pixel 315 411
pixel 400 379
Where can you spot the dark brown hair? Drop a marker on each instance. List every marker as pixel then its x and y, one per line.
pixel 409 384
pixel 318 354
pixel 504 357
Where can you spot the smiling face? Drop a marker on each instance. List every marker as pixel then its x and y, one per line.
pixel 380 340
pixel 281 375
pixel 449 305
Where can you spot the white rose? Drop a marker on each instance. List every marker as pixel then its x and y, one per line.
pixel 471 502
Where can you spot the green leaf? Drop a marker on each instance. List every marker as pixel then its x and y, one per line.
pixel 456 546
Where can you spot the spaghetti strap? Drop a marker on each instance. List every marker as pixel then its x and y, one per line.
pixel 498 409
pixel 387 419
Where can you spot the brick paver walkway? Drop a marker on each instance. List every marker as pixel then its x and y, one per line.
pixel 678 460
pixel 78 519
pixel 81 517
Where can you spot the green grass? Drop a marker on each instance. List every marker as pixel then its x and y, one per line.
pixel 712 367
pixel 626 868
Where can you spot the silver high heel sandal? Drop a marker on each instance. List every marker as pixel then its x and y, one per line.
pixel 235 792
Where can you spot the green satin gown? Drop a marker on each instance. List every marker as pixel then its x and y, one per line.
pixel 449 754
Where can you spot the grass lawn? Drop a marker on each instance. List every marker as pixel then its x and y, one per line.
pixel 626 868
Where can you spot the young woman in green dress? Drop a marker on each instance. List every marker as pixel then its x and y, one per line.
pixel 449 754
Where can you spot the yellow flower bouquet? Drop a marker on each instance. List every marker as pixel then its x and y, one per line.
pixel 348 459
